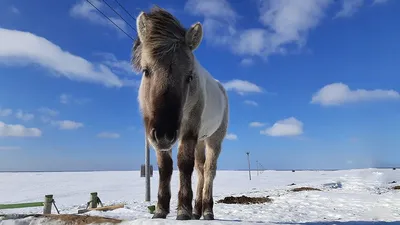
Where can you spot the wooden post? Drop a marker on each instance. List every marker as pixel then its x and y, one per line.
pixel 48 202
pixel 93 200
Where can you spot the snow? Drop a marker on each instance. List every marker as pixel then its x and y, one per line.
pixel 362 196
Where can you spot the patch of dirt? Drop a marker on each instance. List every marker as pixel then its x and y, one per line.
pixel 396 187
pixel 70 219
pixel 305 189
pixel 244 200
pixel 84 219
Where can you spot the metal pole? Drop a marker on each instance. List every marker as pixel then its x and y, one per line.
pixel 248 159
pixel 147 169
pixel 257 167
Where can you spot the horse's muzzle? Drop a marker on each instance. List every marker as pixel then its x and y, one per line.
pixel 163 141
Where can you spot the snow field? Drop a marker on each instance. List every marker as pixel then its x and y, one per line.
pixel 349 195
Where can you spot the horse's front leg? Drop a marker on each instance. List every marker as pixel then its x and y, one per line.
pixel 186 159
pixel 164 161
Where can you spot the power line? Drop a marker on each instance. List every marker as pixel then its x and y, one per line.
pixel 125 10
pixel 119 15
pixel 111 20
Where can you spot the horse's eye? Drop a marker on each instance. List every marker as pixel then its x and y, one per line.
pixel 189 78
pixel 146 73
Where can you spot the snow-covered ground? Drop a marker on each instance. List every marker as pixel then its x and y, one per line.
pixel 348 197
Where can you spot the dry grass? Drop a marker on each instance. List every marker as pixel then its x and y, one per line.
pixel 244 200
pixel 305 189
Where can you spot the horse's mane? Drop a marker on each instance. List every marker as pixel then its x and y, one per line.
pixel 164 34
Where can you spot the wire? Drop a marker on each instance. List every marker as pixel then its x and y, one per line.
pixel 119 15
pixel 124 9
pixel 111 20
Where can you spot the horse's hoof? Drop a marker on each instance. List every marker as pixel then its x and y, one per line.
pixel 183 217
pixel 208 217
pixel 159 216
pixel 196 217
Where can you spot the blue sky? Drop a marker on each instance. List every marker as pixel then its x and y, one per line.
pixel 312 84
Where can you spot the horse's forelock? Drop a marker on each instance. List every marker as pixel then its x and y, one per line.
pixel 164 35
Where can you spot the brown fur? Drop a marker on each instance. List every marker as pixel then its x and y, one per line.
pixel 171 101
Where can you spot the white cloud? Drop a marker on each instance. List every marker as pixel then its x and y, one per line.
pixel 64 98
pixel 242 86
pixel 250 102
pixel 131 83
pixel 339 93
pixel 21 48
pixel 14 10
pixel 5 112
pixel 84 10
pixel 256 124
pixel 47 111
pixel 349 7
pixel 122 67
pixel 108 135
pixel 379 1
pixel 286 127
pixel 17 130
pixel 231 136
pixel 219 19
pixel 247 62
pixel 289 22
pixel 67 124
pixel 67 99
pixel 24 116
pixel 286 22
pixel 9 148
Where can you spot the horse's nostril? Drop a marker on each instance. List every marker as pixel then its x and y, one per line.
pixel 174 137
pixel 154 134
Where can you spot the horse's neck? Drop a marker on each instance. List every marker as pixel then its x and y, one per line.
pixel 202 73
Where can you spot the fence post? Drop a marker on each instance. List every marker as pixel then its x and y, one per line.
pixel 48 201
pixel 93 199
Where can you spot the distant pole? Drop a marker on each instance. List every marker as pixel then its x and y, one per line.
pixel 147 168
pixel 257 167
pixel 248 160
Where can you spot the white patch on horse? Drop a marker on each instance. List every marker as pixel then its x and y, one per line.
pixel 214 102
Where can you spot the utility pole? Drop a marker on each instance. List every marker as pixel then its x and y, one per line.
pixel 248 160
pixel 147 168
pixel 257 167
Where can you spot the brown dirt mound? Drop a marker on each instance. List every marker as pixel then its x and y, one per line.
pixel 396 187
pixel 305 189
pixel 71 219
pixel 244 200
pixel 86 219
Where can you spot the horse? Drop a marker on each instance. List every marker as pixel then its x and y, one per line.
pixel 180 102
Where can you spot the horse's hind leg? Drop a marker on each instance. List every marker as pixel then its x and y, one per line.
pixel 213 150
pixel 199 164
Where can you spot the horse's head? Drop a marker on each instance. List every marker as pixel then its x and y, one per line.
pixel 163 53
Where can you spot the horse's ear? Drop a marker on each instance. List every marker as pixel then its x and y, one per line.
pixel 141 25
pixel 194 36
